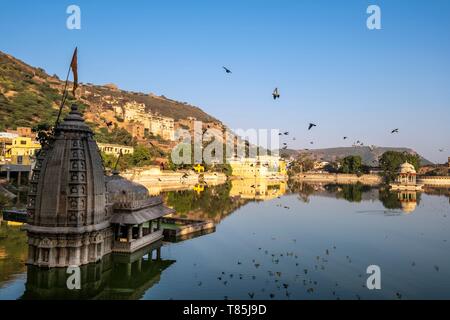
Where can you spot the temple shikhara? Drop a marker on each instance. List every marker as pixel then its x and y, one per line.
pixel 76 214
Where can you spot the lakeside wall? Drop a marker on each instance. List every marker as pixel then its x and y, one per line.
pixel 371 179
pixel 154 175
pixel 434 181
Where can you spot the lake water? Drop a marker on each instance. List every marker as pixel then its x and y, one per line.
pixel 271 242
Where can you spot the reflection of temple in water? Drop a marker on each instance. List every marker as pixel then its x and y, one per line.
pixel 408 201
pixel 257 189
pixel 116 276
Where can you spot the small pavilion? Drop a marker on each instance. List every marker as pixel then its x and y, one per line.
pixel 406 178
pixel 136 219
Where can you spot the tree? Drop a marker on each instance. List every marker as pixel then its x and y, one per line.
pixel 141 156
pixel 44 133
pixel 351 164
pixel 303 163
pixel 390 161
pixel 116 135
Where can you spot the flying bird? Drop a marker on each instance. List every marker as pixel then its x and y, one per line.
pixel 311 125
pixel 275 94
pixel 227 70
pixel 394 131
pixel 345 138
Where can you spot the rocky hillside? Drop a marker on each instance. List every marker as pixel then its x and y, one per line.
pixel 369 155
pixel 28 95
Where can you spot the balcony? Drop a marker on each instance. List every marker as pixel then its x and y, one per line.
pixel 135 244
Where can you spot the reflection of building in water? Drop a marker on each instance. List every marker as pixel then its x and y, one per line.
pixel 408 201
pixel 258 189
pixel 13 251
pixel 406 178
pixel 262 166
pixel 199 188
pixel 117 276
pixel 157 189
pixel 72 220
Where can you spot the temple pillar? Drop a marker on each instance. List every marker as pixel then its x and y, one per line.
pixel 158 224
pixel 84 249
pixel 130 233
pixel 31 253
pixel 140 231
pixel 19 178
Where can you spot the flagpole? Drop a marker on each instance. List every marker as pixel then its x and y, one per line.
pixel 63 99
pixel 64 96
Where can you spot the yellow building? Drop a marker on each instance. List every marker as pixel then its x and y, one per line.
pixel 257 189
pixel 115 149
pixel 21 150
pixel 259 167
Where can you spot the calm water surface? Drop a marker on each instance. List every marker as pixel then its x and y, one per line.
pixel 313 242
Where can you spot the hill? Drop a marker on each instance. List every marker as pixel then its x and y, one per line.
pixel 28 95
pixel 369 155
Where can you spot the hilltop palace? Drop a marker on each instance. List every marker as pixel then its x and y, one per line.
pixel 76 214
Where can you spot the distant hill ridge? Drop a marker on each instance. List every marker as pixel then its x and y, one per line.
pixel 29 95
pixel 369 155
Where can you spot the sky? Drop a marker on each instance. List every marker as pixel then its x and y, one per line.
pixel 329 67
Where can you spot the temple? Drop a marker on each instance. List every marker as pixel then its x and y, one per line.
pixel 77 215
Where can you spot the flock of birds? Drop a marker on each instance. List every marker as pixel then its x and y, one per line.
pixel 276 95
pixel 276 284
pixel 279 269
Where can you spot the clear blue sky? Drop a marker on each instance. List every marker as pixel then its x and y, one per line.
pixel 329 67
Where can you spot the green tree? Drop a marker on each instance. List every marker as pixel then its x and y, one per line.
pixel 351 164
pixel 116 135
pixel 142 156
pixel 303 163
pixel 390 161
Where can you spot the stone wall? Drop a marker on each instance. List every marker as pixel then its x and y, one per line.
pixel 434 181
pixel 339 178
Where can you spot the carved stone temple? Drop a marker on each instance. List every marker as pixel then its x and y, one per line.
pixel 76 214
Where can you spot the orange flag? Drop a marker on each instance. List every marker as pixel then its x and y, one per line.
pixel 74 66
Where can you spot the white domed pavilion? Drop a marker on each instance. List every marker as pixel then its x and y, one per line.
pixel 406 178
